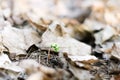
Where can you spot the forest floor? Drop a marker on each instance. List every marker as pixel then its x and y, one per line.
pixel 59 40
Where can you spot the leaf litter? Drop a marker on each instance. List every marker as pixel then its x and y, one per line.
pixel 59 40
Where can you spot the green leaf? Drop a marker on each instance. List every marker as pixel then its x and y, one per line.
pixel 55 47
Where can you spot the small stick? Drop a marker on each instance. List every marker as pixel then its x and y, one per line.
pixel 48 57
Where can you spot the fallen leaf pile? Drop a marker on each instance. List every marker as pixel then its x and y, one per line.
pixel 59 40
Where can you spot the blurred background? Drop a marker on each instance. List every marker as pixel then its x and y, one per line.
pixel 105 11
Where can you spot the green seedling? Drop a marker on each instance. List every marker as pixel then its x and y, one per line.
pixel 55 47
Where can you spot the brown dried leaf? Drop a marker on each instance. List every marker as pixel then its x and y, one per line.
pixel 29 65
pixel 37 71
pixel 11 36
pixel 106 34
pixel 38 26
pixel 80 74
pixel 81 61
pixel 116 50
pixel 60 36
pixel 7 66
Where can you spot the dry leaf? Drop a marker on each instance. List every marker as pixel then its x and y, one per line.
pixel 36 76
pixel 56 34
pixel 39 72
pixel 11 36
pixel 81 61
pixel 107 33
pixel 6 66
pixel 116 50
pixel 30 66
pixel 80 74
pixel 110 18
